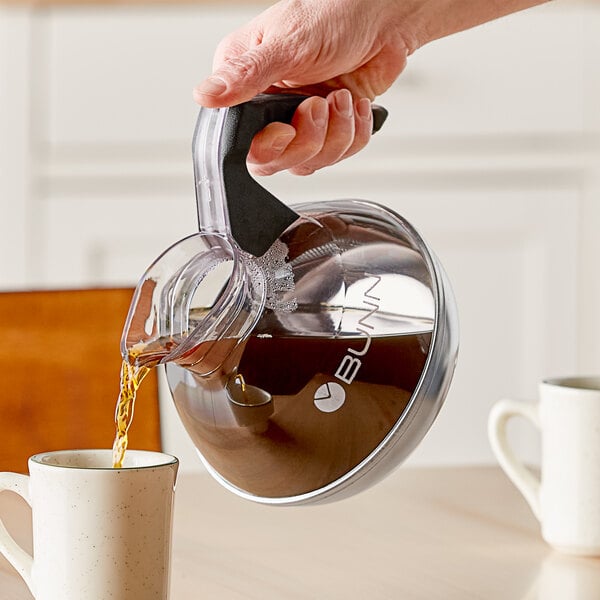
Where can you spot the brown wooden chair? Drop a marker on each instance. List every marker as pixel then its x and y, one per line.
pixel 60 365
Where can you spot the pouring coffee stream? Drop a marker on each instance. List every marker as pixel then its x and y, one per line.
pixel 308 349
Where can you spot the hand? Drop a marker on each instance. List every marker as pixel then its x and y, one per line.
pixel 342 52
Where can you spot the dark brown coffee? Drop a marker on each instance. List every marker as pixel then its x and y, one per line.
pixel 280 416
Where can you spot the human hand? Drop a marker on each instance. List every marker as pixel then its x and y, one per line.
pixel 342 52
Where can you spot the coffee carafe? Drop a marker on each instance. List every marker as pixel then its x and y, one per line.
pixel 308 349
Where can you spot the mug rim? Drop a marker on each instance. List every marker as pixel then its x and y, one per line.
pixel 579 383
pixel 161 459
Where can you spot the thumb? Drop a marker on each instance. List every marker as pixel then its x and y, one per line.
pixel 240 78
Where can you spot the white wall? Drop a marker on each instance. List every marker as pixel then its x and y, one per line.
pixel 492 150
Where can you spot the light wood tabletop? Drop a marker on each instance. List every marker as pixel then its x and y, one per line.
pixel 460 533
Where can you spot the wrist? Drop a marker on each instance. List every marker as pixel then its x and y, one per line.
pixel 422 21
pixel 409 20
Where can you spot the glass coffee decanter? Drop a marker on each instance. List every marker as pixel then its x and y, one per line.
pixel 308 349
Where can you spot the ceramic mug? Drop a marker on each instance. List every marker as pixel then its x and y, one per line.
pixel 98 532
pixel 566 498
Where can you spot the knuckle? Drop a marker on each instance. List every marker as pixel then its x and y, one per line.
pixel 247 65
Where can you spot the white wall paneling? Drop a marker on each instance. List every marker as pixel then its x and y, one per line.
pixel 492 150
pixel 498 78
pixel 15 144
pixel 589 286
pixel 132 77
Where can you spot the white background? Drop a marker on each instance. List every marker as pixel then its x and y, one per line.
pixel 492 150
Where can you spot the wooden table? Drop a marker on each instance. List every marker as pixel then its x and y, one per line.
pixel 423 534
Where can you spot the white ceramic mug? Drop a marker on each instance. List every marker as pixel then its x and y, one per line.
pixel 98 532
pixel 566 499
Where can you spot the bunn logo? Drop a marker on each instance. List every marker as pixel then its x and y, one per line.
pixel 351 363
pixel 331 396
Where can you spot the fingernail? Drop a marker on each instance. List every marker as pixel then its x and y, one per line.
pixel 363 107
pixel 282 141
pixel 213 86
pixel 319 112
pixel 343 102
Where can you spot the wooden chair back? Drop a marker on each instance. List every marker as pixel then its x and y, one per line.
pixel 60 365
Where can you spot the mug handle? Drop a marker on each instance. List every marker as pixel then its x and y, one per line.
pixel 21 560
pixel 523 478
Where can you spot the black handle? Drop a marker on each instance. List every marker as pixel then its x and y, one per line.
pixel 258 218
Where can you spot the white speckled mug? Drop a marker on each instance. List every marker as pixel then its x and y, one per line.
pixel 98 533
pixel 566 500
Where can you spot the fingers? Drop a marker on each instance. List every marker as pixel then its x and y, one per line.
pixel 310 125
pixel 339 134
pixel 323 132
pixel 363 127
pixel 240 77
pixel 268 145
